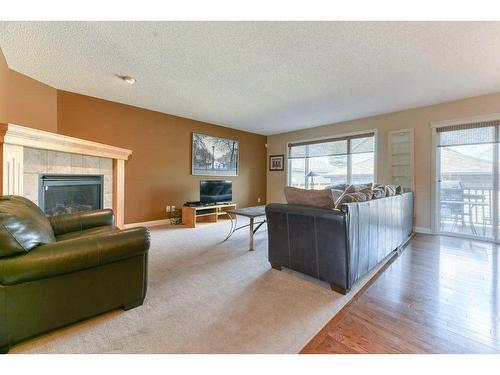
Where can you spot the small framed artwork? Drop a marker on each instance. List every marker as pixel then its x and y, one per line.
pixel 276 162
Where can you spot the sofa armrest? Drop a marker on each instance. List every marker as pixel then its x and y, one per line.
pixel 74 255
pixel 309 240
pixel 66 223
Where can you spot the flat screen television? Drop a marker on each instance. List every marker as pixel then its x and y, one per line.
pixel 216 191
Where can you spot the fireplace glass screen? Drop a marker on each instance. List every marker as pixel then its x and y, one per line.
pixel 69 194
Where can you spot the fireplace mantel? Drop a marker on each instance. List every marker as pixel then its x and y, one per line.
pixel 22 136
pixel 13 138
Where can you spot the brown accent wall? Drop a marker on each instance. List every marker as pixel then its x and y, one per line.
pixel 25 101
pixel 159 170
pixel 4 71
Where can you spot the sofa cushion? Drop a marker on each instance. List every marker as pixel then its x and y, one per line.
pixel 22 226
pixel 313 198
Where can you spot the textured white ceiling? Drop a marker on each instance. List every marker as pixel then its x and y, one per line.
pixel 264 77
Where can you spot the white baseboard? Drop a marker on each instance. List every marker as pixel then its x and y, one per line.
pixel 153 223
pixel 422 230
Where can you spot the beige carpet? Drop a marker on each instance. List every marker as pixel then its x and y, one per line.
pixel 206 297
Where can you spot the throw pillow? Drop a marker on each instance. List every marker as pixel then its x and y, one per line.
pixel 368 191
pixel 336 194
pixel 378 192
pixel 350 189
pixel 359 187
pixel 351 197
pixel 338 187
pixel 314 198
pixel 390 190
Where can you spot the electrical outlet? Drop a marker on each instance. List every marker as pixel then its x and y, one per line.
pixel 167 209
pixel 173 208
pixel 258 200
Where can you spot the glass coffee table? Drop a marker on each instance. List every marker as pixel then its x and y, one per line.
pixel 252 213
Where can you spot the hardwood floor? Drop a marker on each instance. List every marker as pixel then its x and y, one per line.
pixel 441 295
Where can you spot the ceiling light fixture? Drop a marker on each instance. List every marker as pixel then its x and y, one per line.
pixel 128 79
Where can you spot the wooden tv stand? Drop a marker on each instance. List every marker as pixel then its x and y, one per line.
pixel 210 214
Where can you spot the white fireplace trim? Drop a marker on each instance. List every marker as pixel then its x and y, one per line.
pixel 22 136
pixel 14 138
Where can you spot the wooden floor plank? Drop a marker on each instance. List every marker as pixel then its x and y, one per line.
pixel 441 295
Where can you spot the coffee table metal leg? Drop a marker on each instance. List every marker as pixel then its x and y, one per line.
pixel 250 233
pixel 258 226
pixel 231 231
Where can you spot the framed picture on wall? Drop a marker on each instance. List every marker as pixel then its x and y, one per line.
pixel 276 162
pixel 214 156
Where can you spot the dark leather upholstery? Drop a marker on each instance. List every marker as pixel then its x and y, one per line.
pixel 73 255
pixel 22 226
pixel 338 246
pixel 90 267
pixel 80 221
pixel 87 232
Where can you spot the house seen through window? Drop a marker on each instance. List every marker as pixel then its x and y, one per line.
pixel 318 164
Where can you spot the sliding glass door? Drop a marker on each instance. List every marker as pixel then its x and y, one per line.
pixel 468 179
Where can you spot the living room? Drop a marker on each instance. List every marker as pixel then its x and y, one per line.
pixel 249 187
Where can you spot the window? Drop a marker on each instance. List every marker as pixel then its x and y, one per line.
pixel 318 164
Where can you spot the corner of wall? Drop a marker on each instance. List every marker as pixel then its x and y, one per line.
pixel 3 88
pixel 26 101
pixel 59 111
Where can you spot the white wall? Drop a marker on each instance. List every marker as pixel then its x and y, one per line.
pixel 418 118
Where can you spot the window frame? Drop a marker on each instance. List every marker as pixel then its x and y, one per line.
pixel 334 137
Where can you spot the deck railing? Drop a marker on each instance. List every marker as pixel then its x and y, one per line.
pixel 467 210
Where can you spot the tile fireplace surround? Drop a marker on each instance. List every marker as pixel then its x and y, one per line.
pixel 27 152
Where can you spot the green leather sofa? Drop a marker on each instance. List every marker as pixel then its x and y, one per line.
pixel 58 270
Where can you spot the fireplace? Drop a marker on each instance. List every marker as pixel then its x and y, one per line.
pixel 28 153
pixel 63 194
